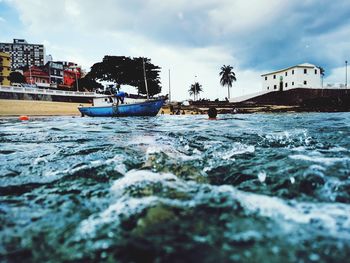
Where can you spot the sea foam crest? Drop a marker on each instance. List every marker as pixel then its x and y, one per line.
pixel 238 149
pixel 334 218
pixel 298 137
pixel 125 205
pixel 135 177
pixel 319 159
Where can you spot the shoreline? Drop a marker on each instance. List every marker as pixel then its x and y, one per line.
pixel 16 108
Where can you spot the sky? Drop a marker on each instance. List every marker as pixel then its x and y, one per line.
pixel 192 39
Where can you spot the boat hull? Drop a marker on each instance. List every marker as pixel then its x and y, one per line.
pixel 147 108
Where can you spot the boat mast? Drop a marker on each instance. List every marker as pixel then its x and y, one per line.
pixel 169 87
pixel 144 75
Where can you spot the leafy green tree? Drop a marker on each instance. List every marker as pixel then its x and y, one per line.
pixel 128 71
pixel 87 83
pixel 17 77
pixel 227 77
pixel 195 89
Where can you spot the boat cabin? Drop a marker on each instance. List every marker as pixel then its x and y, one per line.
pixel 103 101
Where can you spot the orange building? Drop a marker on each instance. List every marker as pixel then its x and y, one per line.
pixel 71 74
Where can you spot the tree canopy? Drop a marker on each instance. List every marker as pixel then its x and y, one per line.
pixel 87 83
pixel 227 77
pixel 195 89
pixel 17 77
pixel 128 71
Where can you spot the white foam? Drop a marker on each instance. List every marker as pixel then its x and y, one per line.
pixel 318 159
pixel 333 217
pixel 118 162
pixel 88 227
pixel 171 152
pixel 327 214
pixel 136 176
pixel 238 149
pixel 262 176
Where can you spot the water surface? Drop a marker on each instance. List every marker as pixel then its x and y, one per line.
pixel 245 188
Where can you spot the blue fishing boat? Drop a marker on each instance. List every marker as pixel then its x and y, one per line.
pixel 115 106
pixel 107 107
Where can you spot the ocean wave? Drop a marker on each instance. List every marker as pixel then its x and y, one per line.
pixel 319 159
pixel 140 190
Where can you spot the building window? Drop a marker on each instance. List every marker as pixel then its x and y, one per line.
pixel 316 71
pixel 305 71
pixel 293 72
pixel 265 78
pixel 286 74
pixel 305 82
pixel 293 83
pixel 274 76
pixel 274 86
pixel 286 85
pixel 268 88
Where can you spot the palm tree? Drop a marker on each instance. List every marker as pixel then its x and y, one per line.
pixel 322 75
pixel 195 89
pixel 227 77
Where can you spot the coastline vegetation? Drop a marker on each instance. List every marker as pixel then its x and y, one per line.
pixel 195 89
pixel 127 71
pixel 227 78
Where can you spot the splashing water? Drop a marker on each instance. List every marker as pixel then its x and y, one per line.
pixel 245 188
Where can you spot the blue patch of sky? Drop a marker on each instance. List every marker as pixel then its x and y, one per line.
pixel 11 26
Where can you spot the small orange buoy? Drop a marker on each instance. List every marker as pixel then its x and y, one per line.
pixel 23 118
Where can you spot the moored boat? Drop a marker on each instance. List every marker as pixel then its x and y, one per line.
pixel 114 106
pixel 107 107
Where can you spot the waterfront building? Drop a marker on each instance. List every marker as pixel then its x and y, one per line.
pixel 5 68
pixel 304 75
pixel 35 75
pixel 55 71
pixel 71 73
pixel 23 53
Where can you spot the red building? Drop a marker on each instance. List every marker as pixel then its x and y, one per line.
pixel 71 74
pixel 36 75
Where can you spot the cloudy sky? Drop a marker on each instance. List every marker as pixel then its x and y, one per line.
pixel 191 38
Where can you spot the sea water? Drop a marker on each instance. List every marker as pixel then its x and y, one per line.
pixel 243 188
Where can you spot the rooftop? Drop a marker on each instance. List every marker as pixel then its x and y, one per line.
pixel 303 65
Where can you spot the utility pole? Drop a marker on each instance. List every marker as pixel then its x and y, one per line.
pixel 169 88
pixel 30 75
pixel 76 79
pixel 195 88
pixel 346 74
pixel 75 69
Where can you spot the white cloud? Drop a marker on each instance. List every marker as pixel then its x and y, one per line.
pixel 337 76
pixel 239 17
pixel 191 38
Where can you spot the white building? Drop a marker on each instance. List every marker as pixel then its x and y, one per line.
pixel 300 76
pixel 24 54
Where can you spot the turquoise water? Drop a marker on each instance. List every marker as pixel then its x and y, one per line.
pixel 246 188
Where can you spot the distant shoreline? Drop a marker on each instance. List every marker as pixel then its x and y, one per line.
pixel 15 108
